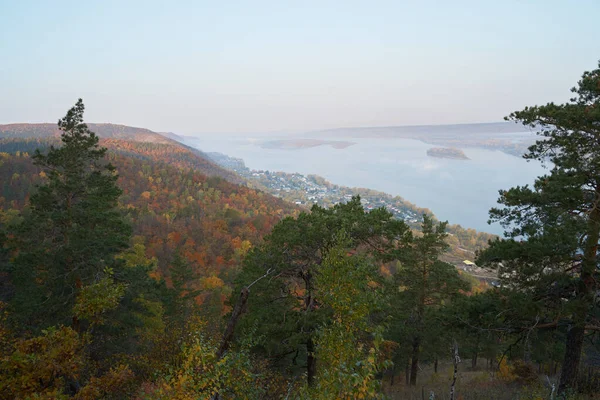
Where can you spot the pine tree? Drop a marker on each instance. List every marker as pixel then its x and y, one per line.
pixel 553 228
pixel 423 282
pixel 71 233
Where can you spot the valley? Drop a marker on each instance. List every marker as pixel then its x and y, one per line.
pixel 306 190
pixel 459 191
pixel 300 200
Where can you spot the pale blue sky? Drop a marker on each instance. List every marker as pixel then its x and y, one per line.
pixel 251 66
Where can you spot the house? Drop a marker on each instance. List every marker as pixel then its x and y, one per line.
pixel 468 265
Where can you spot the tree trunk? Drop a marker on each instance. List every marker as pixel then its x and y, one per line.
pixel 311 362
pixel 475 353
pixel 407 372
pixel 570 365
pixel 455 361
pixel 414 369
pixel 239 308
pixel 435 365
pixel 586 287
pixel 309 306
pixel 76 324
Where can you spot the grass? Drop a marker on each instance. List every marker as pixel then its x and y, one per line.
pixel 471 385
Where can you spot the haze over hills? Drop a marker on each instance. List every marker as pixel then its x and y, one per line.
pixel 139 142
pixel 103 130
pixel 508 137
pixel 436 130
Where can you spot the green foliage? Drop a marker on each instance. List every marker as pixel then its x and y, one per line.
pixel 136 256
pixel 72 230
pixel 201 375
pixel 287 305
pixel 553 227
pixel 93 301
pixel 348 346
pixel 64 270
pixel 43 366
pixel 421 284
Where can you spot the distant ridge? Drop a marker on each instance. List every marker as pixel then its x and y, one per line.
pixel 105 131
pixel 508 137
pixel 172 135
pixel 451 129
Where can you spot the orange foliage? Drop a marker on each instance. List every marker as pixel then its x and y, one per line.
pixel 210 221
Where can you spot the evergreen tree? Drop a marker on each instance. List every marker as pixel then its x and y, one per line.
pixel 181 306
pixel 553 228
pixel 423 282
pixel 64 250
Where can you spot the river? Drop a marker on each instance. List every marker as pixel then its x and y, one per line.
pixel 460 191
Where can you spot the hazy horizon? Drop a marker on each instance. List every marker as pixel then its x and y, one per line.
pixel 266 133
pixel 202 67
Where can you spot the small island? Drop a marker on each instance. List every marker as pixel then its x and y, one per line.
pixel 447 152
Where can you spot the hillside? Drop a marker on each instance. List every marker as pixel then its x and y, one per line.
pixel 140 142
pixel 173 208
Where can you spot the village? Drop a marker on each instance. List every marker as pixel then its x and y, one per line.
pixel 307 190
pixel 312 189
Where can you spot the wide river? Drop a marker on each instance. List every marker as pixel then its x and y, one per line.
pixel 460 191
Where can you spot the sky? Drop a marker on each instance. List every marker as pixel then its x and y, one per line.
pixel 194 67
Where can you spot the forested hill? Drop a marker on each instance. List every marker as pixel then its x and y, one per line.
pixel 172 206
pixel 113 131
pixel 178 201
pixel 138 142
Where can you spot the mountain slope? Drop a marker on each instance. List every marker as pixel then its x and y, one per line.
pixel 173 209
pixel 140 142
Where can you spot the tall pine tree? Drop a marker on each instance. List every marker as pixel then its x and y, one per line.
pixel 553 228
pixel 64 251
pixel 422 283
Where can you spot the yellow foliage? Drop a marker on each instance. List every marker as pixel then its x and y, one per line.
pixel 505 371
pixel 41 366
pixel 212 282
pixel 93 301
pixel 112 382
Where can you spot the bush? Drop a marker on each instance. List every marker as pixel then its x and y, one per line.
pixel 524 373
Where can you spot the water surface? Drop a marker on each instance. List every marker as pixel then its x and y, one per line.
pixel 460 191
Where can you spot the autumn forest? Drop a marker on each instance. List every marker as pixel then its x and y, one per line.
pixel 133 267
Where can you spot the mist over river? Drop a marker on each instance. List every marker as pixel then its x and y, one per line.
pixel 460 191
